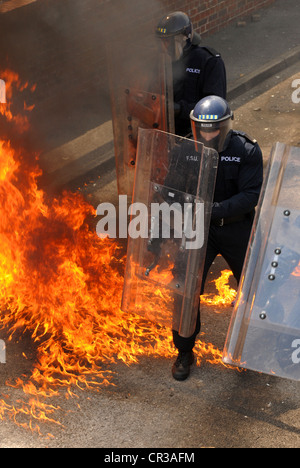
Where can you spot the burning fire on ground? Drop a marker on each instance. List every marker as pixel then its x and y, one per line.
pixel 62 285
pixel 226 295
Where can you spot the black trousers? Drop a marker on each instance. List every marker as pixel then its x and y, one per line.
pixel 230 241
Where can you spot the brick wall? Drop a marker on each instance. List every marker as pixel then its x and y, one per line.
pixel 209 16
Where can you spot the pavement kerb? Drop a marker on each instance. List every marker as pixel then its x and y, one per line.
pixel 267 71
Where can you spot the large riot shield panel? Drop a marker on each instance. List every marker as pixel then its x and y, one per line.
pixel 141 89
pixel 173 193
pixel 265 330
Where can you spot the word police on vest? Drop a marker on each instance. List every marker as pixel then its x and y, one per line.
pixel 193 70
pixel 230 159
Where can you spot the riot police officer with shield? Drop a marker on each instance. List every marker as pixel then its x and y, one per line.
pixel 237 191
pixel 197 71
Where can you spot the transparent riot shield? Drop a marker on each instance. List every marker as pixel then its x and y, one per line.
pixel 264 334
pixel 173 193
pixel 141 89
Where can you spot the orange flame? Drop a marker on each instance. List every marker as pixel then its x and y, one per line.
pixel 296 272
pixel 63 285
pixel 226 295
pixel 12 80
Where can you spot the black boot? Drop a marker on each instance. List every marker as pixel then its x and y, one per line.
pixel 182 365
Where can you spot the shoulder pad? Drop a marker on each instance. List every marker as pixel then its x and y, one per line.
pixel 211 51
pixel 246 136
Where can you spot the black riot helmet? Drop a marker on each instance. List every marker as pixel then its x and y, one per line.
pixel 176 32
pixel 211 122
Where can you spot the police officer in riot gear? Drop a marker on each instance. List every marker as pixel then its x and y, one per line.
pixel 197 71
pixel 237 191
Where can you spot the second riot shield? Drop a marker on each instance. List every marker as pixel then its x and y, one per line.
pixel 265 331
pixel 171 210
pixel 141 89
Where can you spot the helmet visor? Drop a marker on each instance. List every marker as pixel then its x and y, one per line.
pixel 212 134
pixel 174 46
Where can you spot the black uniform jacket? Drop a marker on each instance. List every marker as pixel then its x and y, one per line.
pixel 239 176
pixel 199 73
